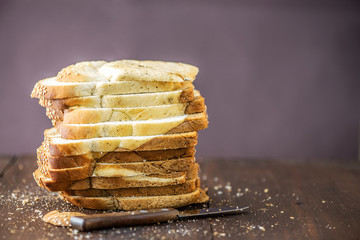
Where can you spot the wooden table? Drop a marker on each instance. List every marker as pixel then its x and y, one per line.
pixel 288 200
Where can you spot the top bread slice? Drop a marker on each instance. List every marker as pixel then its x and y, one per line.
pixel 99 78
pixel 50 88
pixel 128 70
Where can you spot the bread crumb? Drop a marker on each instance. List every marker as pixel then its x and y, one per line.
pixel 261 228
pixel 20 166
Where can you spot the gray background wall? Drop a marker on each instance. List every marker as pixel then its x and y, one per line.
pixel 280 79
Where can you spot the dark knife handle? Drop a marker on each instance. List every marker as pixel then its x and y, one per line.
pixel 123 219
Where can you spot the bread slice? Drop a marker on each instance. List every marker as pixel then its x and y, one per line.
pixel 112 169
pixel 83 115
pixel 179 124
pixel 59 162
pixel 130 70
pixel 50 88
pixel 144 181
pixel 188 186
pixel 118 169
pixel 109 183
pixel 136 203
pixel 56 107
pixel 116 182
pixel 64 147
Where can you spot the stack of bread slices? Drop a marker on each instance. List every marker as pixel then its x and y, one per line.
pixel 123 136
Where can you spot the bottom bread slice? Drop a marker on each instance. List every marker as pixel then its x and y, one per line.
pixel 187 187
pixel 137 203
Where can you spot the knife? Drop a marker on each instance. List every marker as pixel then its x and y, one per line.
pixel 144 217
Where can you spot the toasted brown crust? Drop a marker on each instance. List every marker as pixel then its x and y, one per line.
pixel 138 156
pixel 145 168
pixel 52 186
pixel 190 125
pixel 168 142
pixel 134 203
pixel 188 186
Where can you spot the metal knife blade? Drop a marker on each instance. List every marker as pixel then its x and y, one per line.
pixel 144 217
pixel 210 212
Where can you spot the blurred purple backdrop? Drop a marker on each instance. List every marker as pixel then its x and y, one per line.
pixel 280 79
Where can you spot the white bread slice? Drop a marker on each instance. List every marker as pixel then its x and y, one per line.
pixel 97 115
pixel 65 147
pixel 128 70
pixel 179 124
pixel 50 88
pixel 124 100
pixel 136 203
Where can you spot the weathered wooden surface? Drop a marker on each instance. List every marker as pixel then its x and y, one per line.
pixel 287 201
